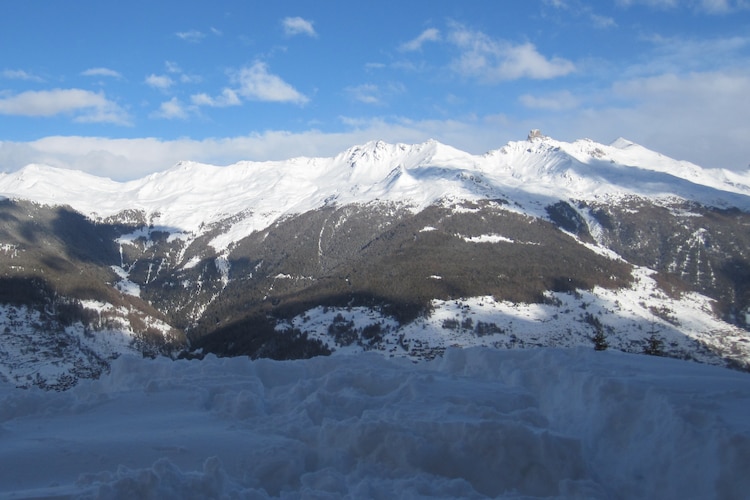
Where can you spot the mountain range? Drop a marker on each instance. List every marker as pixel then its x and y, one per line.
pixel 402 249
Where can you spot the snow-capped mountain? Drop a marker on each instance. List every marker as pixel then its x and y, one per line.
pixel 406 249
pixel 192 196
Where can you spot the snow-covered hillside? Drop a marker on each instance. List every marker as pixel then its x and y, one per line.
pixel 189 197
pixel 686 328
pixel 477 423
pixel 36 350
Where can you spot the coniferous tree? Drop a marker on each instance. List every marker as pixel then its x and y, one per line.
pixel 600 340
pixel 654 344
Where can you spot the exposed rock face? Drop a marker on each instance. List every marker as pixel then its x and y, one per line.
pixel 535 135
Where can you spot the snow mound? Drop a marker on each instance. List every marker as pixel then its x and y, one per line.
pixel 544 423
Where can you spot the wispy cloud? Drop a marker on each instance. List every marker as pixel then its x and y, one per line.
pixel 175 69
pixel 491 60
pixel 369 93
pixel 705 6
pixel 428 35
pixel 172 67
pixel 680 54
pixel 375 65
pixel 228 97
pixel 298 26
pixel 660 4
pixel 85 105
pixel 257 83
pixel 602 22
pixel 192 36
pixel 366 93
pixel 580 10
pixel 162 82
pixel 171 110
pixel 102 72
pixel 19 74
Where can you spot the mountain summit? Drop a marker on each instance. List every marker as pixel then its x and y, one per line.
pixel 403 249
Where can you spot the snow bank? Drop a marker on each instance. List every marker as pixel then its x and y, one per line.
pixel 478 422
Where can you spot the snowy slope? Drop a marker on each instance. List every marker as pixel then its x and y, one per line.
pixel 475 424
pixel 190 197
pixel 626 314
pixel 586 170
pixel 37 351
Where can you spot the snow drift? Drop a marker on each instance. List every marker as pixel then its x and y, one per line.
pixel 542 423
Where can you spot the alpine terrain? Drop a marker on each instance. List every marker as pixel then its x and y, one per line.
pixel 405 250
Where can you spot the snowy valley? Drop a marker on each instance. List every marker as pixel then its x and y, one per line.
pixel 155 334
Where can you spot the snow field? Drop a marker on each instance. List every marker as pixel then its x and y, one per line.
pixel 544 423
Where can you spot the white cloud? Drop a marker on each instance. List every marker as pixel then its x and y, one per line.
pixel 228 97
pixel 172 67
pixel 602 22
pixel 171 110
pixel 126 159
pixel 492 61
pixel 162 82
pixel 366 93
pixel 700 117
pixel 660 4
pixel 298 26
pixel 374 66
pixel 369 93
pixel 19 74
pixel 256 83
pixel 716 6
pixel 87 106
pixel 193 36
pixel 175 69
pixel 428 35
pixel 707 6
pixel 101 72
pixel 682 55
pixel 578 9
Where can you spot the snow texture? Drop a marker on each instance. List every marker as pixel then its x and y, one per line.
pixel 543 423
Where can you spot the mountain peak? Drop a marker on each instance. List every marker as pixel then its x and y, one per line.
pixel 536 135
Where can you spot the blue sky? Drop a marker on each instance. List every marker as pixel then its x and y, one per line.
pixel 124 89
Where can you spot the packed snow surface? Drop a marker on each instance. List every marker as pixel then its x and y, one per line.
pixel 544 423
